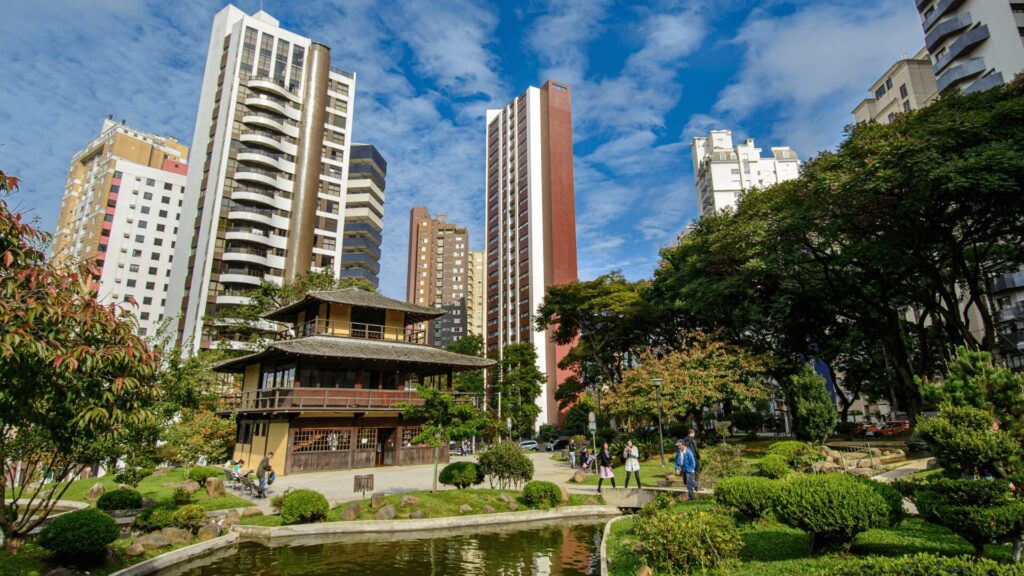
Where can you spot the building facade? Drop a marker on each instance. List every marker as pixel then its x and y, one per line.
pixel 974 44
pixel 328 393
pixel 364 214
pixel 477 294
pixel 531 224
pixel 121 209
pixel 267 199
pixel 907 85
pixel 723 171
pixel 438 275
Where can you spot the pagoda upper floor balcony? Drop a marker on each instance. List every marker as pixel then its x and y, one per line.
pixel 346 329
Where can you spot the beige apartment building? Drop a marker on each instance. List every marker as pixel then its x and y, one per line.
pixel 121 209
pixel 907 85
pixel 477 295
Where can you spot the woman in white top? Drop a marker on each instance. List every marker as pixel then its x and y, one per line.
pixel 632 457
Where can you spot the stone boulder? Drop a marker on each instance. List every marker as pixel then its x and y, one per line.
pixel 931 464
pixel 208 532
pixel 377 500
pixel 386 513
pixel 124 487
pixel 865 472
pixel 488 509
pixel 231 519
pixel 177 535
pixel 214 487
pixel 135 549
pixel 251 511
pixel 512 506
pixel 417 514
pixel 95 492
pixel 505 498
pixel 409 501
pixel 190 486
pixel 465 508
pixel 153 541
pixel 565 495
pixel 644 571
pixel 351 512
pixel 578 477
pixel 823 467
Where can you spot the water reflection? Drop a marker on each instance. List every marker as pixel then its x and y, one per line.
pixel 558 550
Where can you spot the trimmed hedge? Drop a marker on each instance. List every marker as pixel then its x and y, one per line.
pixel 125 499
pixel 461 475
pixel 921 565
pixel 892 497
pixel 831 508
pixel 798 455
pixel 201 473
pixel 750 495
pixel 189 517
pixel 772 466
pixel 154 518
pixel 304 507
pixel 80 537
pixel 694 542
pixel 541 494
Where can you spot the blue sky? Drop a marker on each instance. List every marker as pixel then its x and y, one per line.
pixel 646 78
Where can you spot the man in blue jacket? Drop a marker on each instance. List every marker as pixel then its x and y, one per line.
pixel 688 465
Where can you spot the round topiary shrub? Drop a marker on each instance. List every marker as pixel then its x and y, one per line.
pixel 750 495
pixel 772 466
pixel 201 473
pixel 694 542
pixel 979 511
pixel 189 517
pixel 920 565
pixel 832 508
pixel 303 507
pixel 798 455
pixel 154 518
pixel 893 498
pixel 461 475
pixel 80 537
pixel 125 499
pixel 505 465
pixel 541 494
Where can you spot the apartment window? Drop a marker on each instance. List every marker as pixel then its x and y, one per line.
pixel 888 83
pixel 130 283
pixel 150 182
pixel 147 300
pixel 152 269
pixel 158 242
pixel 137 254
pixel 892 117
pixel 903 90
pixel 134 267
pixel 117 174
pixel 163 213
pixel 150 285
pixel 144 316
pixel 166 199
pixel 167 186
pixel 143 224
pixel 140 238
pixel 906 106
pixel 880 92
pixel 154 256
pixel 160 228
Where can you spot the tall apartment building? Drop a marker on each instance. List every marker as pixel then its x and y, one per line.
pixel 121 209
pixel 907 85
pixel 475 311
pixel 268 197
pixel 438 275
pixel 364 214
pixel 723 171
pixel 531 224
pixel 974 44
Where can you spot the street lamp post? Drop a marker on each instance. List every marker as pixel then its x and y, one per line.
pixel 661 439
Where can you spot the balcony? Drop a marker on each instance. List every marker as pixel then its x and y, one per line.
pixel 1008 281
pixel 263 176
pixel 241 276
pixel 972 67
pixel 277 105
pixel 946 28
pixel 941 8
pixel 264 157
pixel 251 234
pixel 362 244
pixel 344 329
pixel 271 86
pixel 360 259
pixel 267 138
pixel 246 254
pixel 323 399
pixel 964 43
pixel 271 122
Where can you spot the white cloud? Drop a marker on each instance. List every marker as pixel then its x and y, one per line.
pixel 559 37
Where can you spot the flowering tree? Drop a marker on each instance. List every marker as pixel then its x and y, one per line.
pixel 74 376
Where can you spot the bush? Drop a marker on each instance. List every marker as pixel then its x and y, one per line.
pixel 690 542
pixel 505 464
pixel 80 536
pixel 920 565
pixel 751 495
pixel 154 518
pixel 979 511
pixel 201 473
pixel 964 442
pixel 892 496
pixel 798 455
pixel 120 500
pixel 278 501
pixel 189 517
pixel 547 433
pixel 814 413
pixel 832 508
pixel 749 421
pixel 540 494
pixel 181 496
pixel 722 461
pixel 304 507
pixel 773 466
pixel 461 475
pixel 132 475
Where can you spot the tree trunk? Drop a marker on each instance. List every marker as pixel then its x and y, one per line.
pixel 437 450
pixel 12 544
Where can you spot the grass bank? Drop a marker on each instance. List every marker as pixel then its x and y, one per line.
pixel 34 560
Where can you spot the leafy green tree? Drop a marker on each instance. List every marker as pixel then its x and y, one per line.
pixel 200 434
pixel 814 414
pixel 75 374
pixel 520 383
pixel 444 419
pixel 473 380
pixel 965 442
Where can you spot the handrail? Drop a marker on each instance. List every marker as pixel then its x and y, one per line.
pixel 321 327
pixel 325 399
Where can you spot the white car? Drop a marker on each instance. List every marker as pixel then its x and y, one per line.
pixel 529 445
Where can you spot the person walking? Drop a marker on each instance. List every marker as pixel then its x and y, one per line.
pixel 632 457
pixel 688 465
pixel 678 460
pixel 604 465
pixel 572 453
pixel 691 444
pixel 262 471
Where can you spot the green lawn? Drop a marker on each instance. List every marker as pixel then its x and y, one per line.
pixel 434 505
pixel 772 549
pixel 159 488
pixel 650 472
pixel 33 560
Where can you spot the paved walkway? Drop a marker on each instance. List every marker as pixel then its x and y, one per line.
pixel 909 467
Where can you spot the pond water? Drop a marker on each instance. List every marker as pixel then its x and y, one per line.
pixel 553 549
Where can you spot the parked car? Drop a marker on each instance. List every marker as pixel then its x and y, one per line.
pixel 865 429
pixel 529 445
pixel 916 444
pixel 559 444
pixel 894 428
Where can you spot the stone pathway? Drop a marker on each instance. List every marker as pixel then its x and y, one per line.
pixel 908 468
